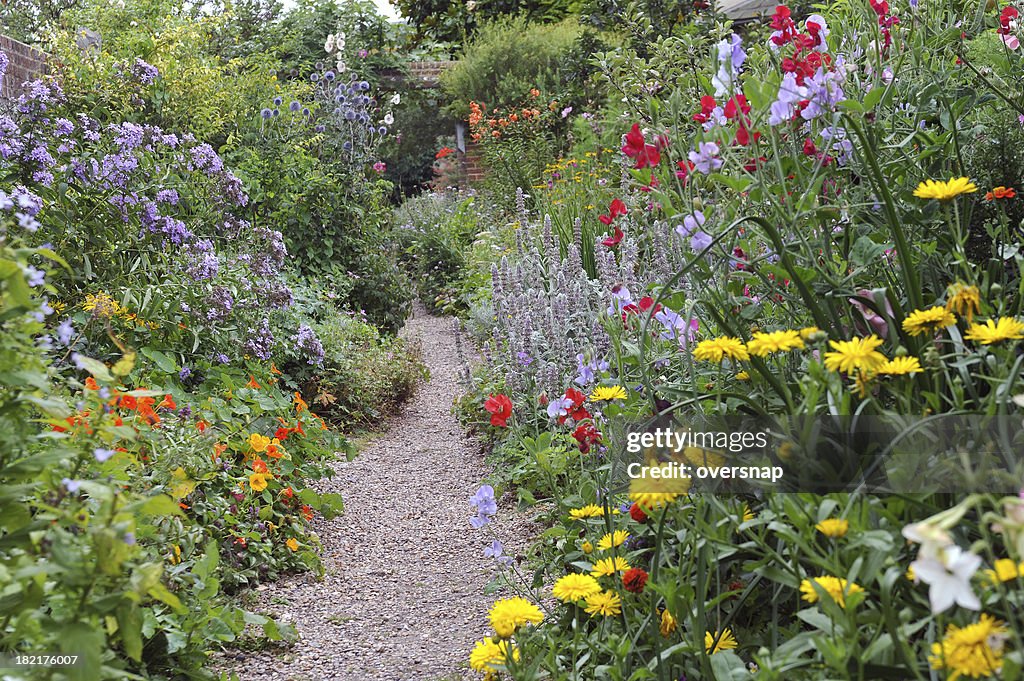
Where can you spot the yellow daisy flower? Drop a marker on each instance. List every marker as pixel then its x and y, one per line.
pixel 605 603
pixel 833 527
pixel 809 331
pixel 928 321
pixel 573 587
pixel 900 366
pixel 837 588
pixel 717 349
pixel 857 354
pixel 609 566
pixel 588 511
pixel 488 653
pixel 964 300
pixel 945 190
pixel 996 331
pixel 1005 570
pixel 974 651
pixel 764 344
pixel 508 614
pixel 726 641
pixel 607 393
pixel 616 538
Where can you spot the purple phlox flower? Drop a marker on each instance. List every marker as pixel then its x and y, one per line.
pixel 65 332
pixel 129 538
pixel 691 223
pixel 63 127
pixel 69 484
pixel 705 158
pixel 102 454
pixel 566 111
pixel 145 73
pixel 184 373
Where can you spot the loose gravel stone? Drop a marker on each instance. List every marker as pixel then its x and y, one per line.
pixel 402 598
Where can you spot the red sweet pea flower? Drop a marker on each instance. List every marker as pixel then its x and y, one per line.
pixel 646 155
pixel 612 241
pixel 586 435
pixel 615 209
pixel 646 303
pixel 634 580
pixel 707 105
pixel 684 170
pixel 809 148
pixel 500 407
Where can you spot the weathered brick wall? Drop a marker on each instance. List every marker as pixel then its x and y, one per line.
pixel 26 63
pixel 473 167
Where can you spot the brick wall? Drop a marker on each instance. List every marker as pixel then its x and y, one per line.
pixel 473 169
pixel 26 63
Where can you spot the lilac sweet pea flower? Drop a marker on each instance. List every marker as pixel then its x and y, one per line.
pixel 705 158
pixel 691 224
pixel 559 407
pixel 700 241
pixel 484 503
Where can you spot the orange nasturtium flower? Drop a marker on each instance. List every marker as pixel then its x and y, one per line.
pixel 252 383
pixel 300 404
pixel 292 544
pixel 1000 193
pixel 258 481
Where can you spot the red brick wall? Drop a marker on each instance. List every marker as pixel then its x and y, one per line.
pixel 26 63
pixel 474 170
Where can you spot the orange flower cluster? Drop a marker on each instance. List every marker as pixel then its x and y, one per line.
pixel 495 125
pixel 1000 193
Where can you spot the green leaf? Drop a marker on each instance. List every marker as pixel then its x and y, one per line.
pixel 129 626
pixel 97 368
pixel 162 361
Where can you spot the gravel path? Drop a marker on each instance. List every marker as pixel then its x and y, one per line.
pixel 403 595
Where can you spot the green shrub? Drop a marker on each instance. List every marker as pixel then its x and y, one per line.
pixel 508 58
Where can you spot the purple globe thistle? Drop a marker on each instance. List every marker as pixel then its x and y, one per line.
pixel 278 101
pixel 294 106
pixel 266 113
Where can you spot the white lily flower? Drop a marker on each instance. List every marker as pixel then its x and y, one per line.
pixel 948 577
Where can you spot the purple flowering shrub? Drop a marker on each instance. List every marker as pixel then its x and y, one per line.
pixel 157 217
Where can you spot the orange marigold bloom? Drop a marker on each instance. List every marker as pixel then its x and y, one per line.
pixel 1000 193
pixel 90 384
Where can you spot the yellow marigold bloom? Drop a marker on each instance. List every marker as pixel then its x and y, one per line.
pixel 964 300
pixel 650 501
pixel 725 642
pixel 102 305
pixel 974 651
pixel 1005 571
pixel 901 366
pixel 747 515
pixel 609 566
pixel 945 190
pixel 743 376
pixel 605 603
pixel 809 331
pixel 508 614
pixel 258 443
pixel 258 481
pixel 486 654
pixel 763 344
pixel 717 349
pixel 928 321
pixel 292 544
pixel 857 354
pixel 587 548
pixel 612 539
pixel 588 511
pixel 574 587
pixel 607 393
pixel 836 587
pixel 996 331
pixel 833 527
pixel 668 623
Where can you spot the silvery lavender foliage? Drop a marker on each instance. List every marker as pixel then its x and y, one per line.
pixel 545 309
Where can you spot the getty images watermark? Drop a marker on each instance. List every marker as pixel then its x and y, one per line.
pixel 699 454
